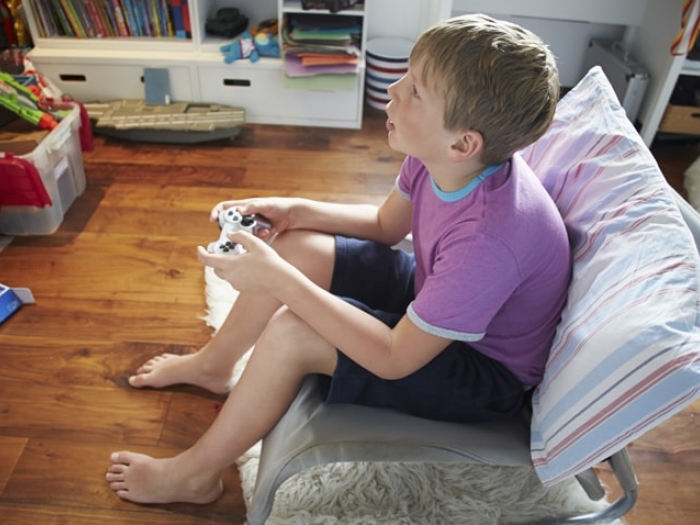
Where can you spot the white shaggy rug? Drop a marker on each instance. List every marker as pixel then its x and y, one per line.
pixel 401 493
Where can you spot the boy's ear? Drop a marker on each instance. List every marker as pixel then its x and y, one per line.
pixel 467 144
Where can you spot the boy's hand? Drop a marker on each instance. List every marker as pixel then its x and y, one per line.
pixel 257 269
pixel 276 210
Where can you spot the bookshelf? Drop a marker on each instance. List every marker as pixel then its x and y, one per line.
pixel 111 67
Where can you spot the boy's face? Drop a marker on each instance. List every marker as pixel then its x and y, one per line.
pixel 415 118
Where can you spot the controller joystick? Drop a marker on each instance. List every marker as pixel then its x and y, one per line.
pixel 230 220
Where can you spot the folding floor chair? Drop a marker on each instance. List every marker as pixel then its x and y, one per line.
pixel 635 246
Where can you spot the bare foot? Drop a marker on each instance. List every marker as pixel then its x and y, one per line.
pixel 143 479
pixel 171 369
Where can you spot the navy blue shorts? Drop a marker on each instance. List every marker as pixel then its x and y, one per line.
pixel 459 384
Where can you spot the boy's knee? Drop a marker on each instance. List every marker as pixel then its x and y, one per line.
pixel 283 327
pixel 287 242
pixel 311 252
pixel 289 339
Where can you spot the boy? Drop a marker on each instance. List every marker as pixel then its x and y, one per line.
pixel 459 333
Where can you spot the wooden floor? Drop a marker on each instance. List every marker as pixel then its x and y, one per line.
pixel 120 282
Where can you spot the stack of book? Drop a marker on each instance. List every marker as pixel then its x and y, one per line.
pixel 112 18
pixel 321 45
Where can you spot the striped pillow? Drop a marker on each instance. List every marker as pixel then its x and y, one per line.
pixel 626 355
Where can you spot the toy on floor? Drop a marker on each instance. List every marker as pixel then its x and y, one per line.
pixel 251 47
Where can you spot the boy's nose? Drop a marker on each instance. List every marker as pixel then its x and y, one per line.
pixel 392 89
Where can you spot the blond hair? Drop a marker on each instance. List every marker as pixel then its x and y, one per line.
pixel 497 78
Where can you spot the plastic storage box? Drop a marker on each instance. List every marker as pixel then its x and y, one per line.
pixel 58 160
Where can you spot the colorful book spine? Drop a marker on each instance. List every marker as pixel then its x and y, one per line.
pixel 178 19
pixel 73 19
pixel 94 14
pixel 186 18
pixel 60 18
pixel 134 28
pixel 166 17
pixel 119 18
pixel 142 15
pixel 107 17
pixel 48 23
pixel 155 18
pixel 83 18
pixel 112 18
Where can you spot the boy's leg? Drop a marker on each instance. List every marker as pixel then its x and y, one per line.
pixel 287 351
pixel 212 366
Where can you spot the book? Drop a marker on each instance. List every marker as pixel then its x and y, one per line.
pixel 79 8
pixel 166 14
pixel 128 7
pixel 141 10
pixel 48 22
pixel 154 14
pixel 178 18
pixel 72 18
pixel 186 18
pixel 94 14
pixel 119 18
pixel 294 68
pixel 63 22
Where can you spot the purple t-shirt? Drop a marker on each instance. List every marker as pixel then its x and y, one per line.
pixel 492 263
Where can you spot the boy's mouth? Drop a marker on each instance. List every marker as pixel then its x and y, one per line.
pixel 390 125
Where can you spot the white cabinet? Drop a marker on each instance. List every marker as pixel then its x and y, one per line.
pixel 104 69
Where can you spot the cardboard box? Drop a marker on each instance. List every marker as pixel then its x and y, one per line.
pixel 681 119
pixel 58 160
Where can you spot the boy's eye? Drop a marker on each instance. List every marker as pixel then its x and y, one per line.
pixel 414 91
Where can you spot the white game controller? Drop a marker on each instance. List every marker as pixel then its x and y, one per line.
pixel 230 220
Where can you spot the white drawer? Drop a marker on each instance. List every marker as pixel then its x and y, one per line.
pixel 110 80
pixel 260 90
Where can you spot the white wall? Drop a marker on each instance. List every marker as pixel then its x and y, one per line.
pixel 404 18
pixel 568 41
pixel 567 37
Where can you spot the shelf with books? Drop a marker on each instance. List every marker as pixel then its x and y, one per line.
pixel 105 24
pixel 112 67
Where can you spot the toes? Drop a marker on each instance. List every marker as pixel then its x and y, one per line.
pixel 120 459
pixel 138 380
pixel 115 472
pixel 154 362
pixel 118 486
pixel 123 494
pixel 113 479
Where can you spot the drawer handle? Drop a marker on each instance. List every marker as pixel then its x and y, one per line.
pixel 695 115
pixel 72 78
pixel 236 82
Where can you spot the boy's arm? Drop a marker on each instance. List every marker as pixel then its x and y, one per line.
pixel 389 223
pixel 387 353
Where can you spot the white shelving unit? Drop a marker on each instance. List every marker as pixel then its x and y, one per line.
pixel 112 68
pixel 651 43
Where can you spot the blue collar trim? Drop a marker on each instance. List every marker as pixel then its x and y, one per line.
pixel 454 196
